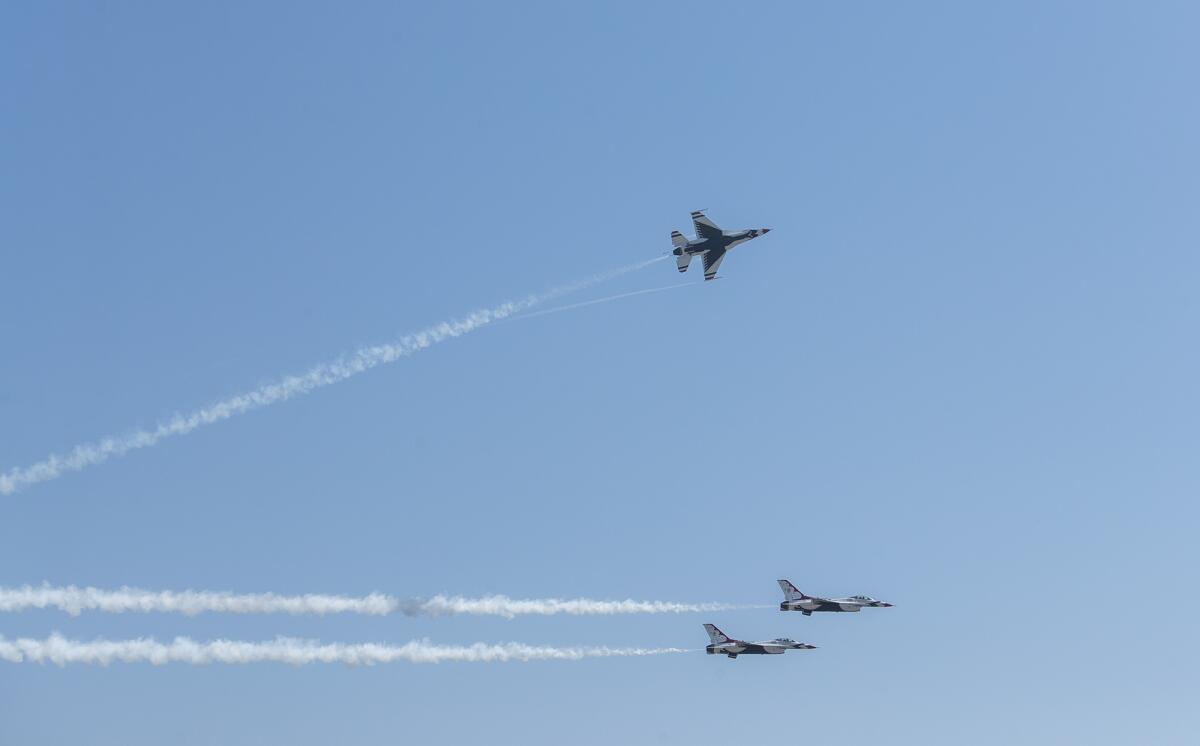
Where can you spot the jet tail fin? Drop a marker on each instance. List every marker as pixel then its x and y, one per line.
pixel 715 636
pixel 682 261
pixel 790 592
pixel 678 240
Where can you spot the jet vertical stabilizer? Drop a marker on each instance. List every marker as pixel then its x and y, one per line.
pixel 715 636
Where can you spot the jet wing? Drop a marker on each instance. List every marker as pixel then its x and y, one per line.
pixel 712 260
pixel 705 228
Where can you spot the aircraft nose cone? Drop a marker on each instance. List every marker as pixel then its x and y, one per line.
pixel 764 230
pixel 886 605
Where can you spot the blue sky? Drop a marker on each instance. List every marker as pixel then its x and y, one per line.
pixel 960 374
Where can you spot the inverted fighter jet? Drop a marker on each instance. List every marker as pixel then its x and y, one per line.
pixel 794 600
pixel 721 644
pixel 710 244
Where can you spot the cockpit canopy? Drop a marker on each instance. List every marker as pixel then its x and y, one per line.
pixel 862 598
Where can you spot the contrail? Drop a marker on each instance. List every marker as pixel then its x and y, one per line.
pixel 606 299
pixel 322 374
pixel 61 651
pixel 75 600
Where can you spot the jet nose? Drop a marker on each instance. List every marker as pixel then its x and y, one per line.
pixel 886 605
pixel 762 231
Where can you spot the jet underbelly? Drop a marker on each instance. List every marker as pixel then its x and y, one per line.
pixel 833 606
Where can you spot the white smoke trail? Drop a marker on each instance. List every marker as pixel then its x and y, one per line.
pixel 75 600
pixel 510 607
pixel 607 299
pixel 61 651
pixel 322 374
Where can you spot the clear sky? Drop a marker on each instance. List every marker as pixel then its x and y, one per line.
pixel 960 373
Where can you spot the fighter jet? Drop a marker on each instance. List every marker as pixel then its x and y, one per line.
pixel 710 244
pixel 724 645
pixel 794 600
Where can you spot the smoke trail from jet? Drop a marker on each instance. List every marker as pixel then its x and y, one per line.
pixel 62 651
pixel 607 299
pixel 504 606
pixel 75 600
pixel 320 375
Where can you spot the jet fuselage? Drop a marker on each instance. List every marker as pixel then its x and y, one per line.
pixel 721 644
pixel 811 605
pixel 734 648
pixel 727 240
pixel 794 600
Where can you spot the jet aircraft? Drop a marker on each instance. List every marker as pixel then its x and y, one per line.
pixel 720 643
pixel 794 600
pixel 710 244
